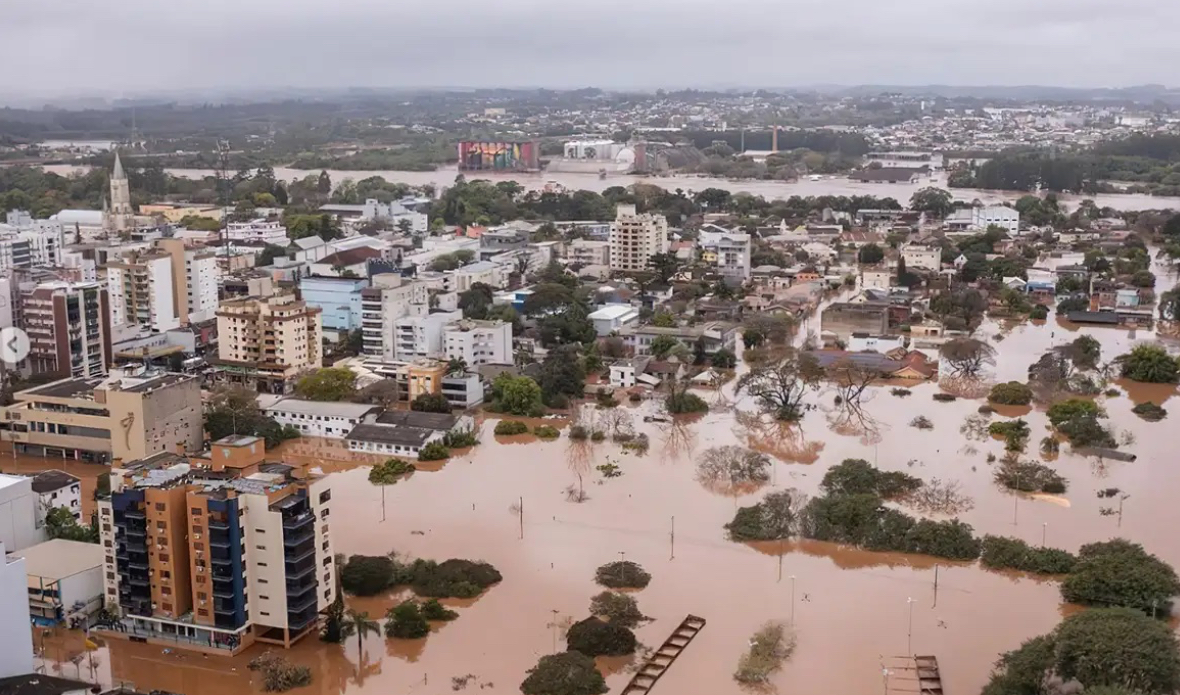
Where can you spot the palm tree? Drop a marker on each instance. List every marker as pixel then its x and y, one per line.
pixel 457 365
pixel 359 622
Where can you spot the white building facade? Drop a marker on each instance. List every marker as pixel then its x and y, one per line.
pixel 478 342
pixel 258 231
pixel 924 257
pixel 980 218
pixel 19 527
pixel 318 419
pixel 16 639
pixel 729 251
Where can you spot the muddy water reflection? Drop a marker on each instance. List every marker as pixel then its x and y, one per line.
pixel 850 606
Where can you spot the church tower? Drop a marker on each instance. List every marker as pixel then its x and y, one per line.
pixel 121 217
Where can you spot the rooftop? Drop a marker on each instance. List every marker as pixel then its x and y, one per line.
pixel 341 410
pixel 48 481
pixel 66 388
pixel 610 312
pixel 413 418
pixel 58 558
pixel 389 434
pixel 40 684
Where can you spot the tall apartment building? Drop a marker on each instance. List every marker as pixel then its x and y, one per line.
pixel 69 329
pixel 142 291
pixel 478 342
pixel 390 298
pixel 194 280
pixel 218 551
pixel 267 341
pixel 635 238
pixel 129 415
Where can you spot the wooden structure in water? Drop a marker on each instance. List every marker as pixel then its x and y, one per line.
pixel 661 659
pixel 917 675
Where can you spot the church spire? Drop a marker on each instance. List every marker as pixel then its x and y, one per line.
pixel 118 174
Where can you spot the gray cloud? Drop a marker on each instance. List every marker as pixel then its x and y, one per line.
pixel 132 46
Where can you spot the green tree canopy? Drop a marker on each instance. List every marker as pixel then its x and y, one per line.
pixel 327 384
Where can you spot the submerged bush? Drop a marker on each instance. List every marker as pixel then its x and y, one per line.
pixel 1014 432
pixel 1150 411
pixel 452 578
pixel 511 427
pixel 546 432
pixel 278 674
pixel 623 574
pixel 1121 573
pixel 857 476
pixel 1012 553
pixel 769 648
pixel 619 609
pixel 567 673
pixel 434 451
pixel 593 637
pixel 1011 393
pixel 1028 476
pixel 684 402
pixel 367 575
pixel 405 621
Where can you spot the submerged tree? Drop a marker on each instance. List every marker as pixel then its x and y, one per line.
pixel 966 357
pixel 780 385
pixel 732 469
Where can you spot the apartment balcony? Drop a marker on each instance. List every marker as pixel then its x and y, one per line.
pixel 293 538
pixel 301 604
pixel 299 521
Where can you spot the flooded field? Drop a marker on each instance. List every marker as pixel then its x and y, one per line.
pixel 506 502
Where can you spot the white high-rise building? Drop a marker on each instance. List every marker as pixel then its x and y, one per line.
pixel 142 291
pixel 635 238
pixel 194 280
pixel 390 299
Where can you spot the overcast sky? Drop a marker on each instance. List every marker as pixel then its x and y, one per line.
pixel 123 47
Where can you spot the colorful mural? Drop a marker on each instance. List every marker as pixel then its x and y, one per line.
pixel 498 156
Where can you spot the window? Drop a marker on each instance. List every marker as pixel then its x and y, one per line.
pixel 111 576
pixel 201 595
pixel 167 607
pixel 264 598
pixel 161 526
pixel 197 511
pixel 327 561
pixel 259 530
pixel 260 547
pixel 166 591
pixel 262 581
pixel 165 574
pixel 160 506
pixel 323 513
pixel 106 544
pixel 325 496
pixel 165 557
pixel 264 613
pixel 262 564
pixel 204 612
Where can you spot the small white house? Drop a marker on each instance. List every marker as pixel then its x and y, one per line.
pixel 880 278
pixel 58 489
pixel 612 317
pixel 920 256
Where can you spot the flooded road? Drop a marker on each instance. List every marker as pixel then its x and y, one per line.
pixel 850 608
pixel 834 186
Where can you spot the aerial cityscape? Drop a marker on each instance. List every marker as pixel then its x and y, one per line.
pixel 859 385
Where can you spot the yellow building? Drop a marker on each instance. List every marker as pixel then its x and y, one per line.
pixel 129 415
pixel 267 341
pixel 176 213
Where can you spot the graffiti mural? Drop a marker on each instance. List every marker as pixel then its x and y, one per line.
pixel 498 156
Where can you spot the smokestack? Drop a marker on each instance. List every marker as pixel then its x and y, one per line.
pixel 774 139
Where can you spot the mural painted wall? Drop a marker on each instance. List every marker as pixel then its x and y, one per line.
pixel 498 156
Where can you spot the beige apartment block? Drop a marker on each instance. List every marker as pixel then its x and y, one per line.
pixel 635 238
pixel 266 342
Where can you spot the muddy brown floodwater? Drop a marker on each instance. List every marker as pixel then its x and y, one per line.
pixel 850 607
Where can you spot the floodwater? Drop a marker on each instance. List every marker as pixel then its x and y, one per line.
pixel 507 501
pixel 834 186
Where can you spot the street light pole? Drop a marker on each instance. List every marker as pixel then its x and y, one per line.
pixel 792 600
pixel 910 630
pixel 1044 531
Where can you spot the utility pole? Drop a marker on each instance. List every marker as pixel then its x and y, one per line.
pixel 1044 531
pixel 910 629
pixel 672 538
pixel 792 600
pixel 520 511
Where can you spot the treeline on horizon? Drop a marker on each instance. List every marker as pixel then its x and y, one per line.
pixel 1149 161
